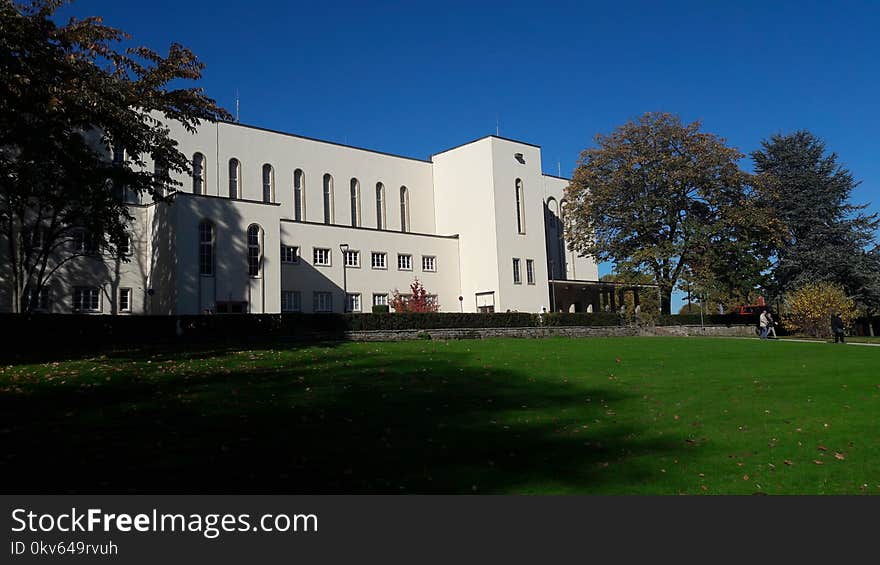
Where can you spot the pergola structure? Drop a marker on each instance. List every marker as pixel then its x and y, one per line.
pixel 593 296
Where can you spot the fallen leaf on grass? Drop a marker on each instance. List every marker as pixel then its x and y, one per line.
pixel 839 456
pixel 823 448
pixel 817 462
pixel 787 462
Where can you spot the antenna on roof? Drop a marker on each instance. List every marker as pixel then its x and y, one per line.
pixel 558 168
pixel 497 125
pixel 236 105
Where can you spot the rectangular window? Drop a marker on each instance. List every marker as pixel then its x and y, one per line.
pixel 352 258
pixel 291 301
pixel 379 260
pixel 380 300
pixel 289 254
pixel 530 271
pixel 42 301
pixel 404 262
pixel 83 242
pixel 125 300
pixel 206 249
pixel 125 246
pixel 321 257
pixel 354 302
pixel 429 263
pixel 323 302
pixel 87 299
pixel 517 276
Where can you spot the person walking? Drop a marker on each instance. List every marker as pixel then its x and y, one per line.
pixel 771 325
pixel 837 328
pixel 764 323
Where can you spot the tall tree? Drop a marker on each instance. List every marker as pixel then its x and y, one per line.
pixel 69 97
pixel 824 236
pixel 657 195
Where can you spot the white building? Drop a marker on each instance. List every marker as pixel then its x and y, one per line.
pixel 258 229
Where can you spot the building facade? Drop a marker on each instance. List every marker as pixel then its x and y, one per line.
pixel 272 222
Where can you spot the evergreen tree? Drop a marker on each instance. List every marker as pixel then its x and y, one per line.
pixel 825 237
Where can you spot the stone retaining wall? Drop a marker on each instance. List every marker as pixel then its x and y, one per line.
pixel 555 331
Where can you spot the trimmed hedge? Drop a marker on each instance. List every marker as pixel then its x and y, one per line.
pixel 38 332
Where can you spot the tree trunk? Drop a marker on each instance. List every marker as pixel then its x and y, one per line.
pixel 665 301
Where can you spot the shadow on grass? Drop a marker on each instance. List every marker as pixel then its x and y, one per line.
pixel 325 421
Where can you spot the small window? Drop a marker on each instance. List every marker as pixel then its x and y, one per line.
pixel 289 254
pixel 234 179
pixel 161 177
pixel 268 183
pixel 530 271
pixel 380 300
pixel 87 299
pixel 520 208
pixel 321 257
pixel 291 301
pixel 353 302
pixel 429 263
pixel 198 167
pixel 379 260
pixel 517 276
pixel 254 250
pixel 125 300
pixel 42 304
pixel 352 258
pixel 206 248
pixel 299 206
pixel 124 247
pixel 83 242
pixel 404 209
pixel 404 262
pixel 323 302
pixel 380 206
pixel 328 199
pixel 355 203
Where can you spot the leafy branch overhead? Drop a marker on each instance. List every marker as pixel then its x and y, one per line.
pixel 70 97
pixel 662 197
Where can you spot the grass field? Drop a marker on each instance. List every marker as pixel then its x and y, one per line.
pixel 616 415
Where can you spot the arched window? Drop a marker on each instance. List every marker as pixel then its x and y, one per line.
pixel 404 209
pixel 254 250
pixel 328 199
pixel 234 178
pixel 555 245
pixel 380 205
pixel 206 248
pixel 299 203
pixel 355 203
pixel 520 208
pixel 268 183
pixel 198 165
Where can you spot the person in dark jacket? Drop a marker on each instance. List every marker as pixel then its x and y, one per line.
pixel 837 327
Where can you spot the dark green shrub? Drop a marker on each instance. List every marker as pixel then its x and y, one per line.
pixel 380 309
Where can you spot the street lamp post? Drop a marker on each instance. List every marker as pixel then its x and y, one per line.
pixel 344 248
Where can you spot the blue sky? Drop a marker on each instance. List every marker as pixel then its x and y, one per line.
pixel 417 77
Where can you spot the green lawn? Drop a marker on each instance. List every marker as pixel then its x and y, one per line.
pixel 617 415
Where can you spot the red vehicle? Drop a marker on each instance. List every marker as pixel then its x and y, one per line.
pixel 751 309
